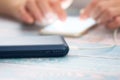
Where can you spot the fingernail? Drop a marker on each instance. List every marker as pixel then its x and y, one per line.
pixel 66 3
pixel 82 11
pixel 44 22
pixel 50 17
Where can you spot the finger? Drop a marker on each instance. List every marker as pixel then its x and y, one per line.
pixel 114 24
pixel 47 12
pixel 34 10
pixel 56 6
pixel 108 15
pixel 24 16
pixel 105 10
pixel 88 10
pixel 99 9
pixel 45 7
pixel 105 17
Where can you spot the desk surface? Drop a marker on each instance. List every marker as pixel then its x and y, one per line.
pixel 84 64
pixel 93 64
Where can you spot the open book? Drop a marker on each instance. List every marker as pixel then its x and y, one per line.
pixel 72 27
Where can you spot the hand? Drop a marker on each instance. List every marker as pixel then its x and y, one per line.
pixel 30 11
pixel 106 12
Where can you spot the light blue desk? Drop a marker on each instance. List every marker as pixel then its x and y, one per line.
pixel 99 64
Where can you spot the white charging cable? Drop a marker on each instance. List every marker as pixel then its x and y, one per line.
pixel 115 36
pixel 102 47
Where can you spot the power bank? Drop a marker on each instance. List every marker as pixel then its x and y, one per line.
pixel 33 47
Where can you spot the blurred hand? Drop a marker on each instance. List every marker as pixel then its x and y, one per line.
pixel 30 11
pixel 106 12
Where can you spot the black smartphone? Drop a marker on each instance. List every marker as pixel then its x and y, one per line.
pixel 33 47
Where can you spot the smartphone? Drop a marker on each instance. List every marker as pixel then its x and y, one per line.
pixel 33 47
pixel 72 27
